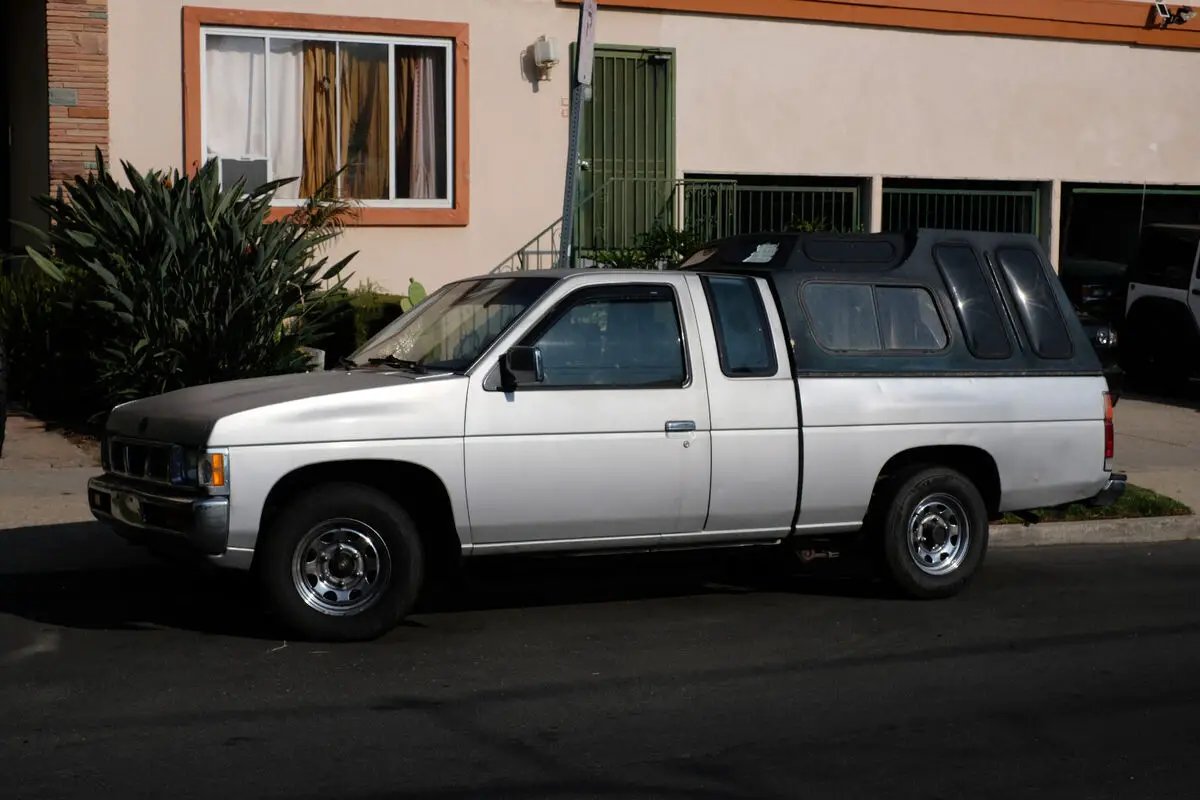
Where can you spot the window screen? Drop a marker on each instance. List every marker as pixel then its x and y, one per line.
pixel 978 313
pixel 842 316
pixel 908 319
pixel 1035 301
pixel 743 339
pixel 862 318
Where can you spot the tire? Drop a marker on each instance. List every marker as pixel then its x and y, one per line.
pixel 372 534
pixel 951 552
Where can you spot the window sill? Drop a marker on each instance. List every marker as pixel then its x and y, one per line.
pixel 392 217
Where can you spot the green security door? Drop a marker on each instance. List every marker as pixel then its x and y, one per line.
pixel 627 147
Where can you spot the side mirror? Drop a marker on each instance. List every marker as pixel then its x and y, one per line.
pixel 521 365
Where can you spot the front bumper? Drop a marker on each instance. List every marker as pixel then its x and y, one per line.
pixel 146 515
pixel 1112 491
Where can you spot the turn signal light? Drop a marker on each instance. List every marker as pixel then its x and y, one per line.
pixel 212 469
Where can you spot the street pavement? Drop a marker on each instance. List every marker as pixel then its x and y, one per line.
pixel 1063 672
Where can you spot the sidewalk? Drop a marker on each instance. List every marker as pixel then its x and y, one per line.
pixel 43 476
pixel 1158 446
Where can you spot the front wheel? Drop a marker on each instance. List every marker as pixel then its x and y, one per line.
pixel 343 562
pixel 935 532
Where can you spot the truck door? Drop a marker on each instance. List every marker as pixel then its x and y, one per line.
pixel 614 444
pixel 753 401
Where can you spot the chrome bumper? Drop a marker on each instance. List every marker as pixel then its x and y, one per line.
pixel 1111 492
pixel 142 514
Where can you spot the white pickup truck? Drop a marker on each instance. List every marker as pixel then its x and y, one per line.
pixel 907 387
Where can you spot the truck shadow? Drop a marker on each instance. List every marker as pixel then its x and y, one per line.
pixel 83 576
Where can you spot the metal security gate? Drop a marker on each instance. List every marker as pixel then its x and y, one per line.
pixel 627 147
pixel 992 211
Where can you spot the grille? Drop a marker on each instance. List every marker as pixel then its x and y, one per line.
pixel 141 460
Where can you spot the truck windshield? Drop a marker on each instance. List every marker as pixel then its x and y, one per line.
pixel 453 327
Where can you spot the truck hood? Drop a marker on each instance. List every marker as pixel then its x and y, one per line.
pixel 256 410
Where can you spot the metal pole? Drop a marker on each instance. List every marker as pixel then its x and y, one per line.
pixel 583 77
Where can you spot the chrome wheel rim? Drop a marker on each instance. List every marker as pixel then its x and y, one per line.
pixel 341 567
pixel 939 535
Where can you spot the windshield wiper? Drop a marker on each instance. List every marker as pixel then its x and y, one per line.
pixel 348 363
pixel 402 363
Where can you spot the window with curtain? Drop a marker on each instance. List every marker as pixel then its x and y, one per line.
pixel 295 105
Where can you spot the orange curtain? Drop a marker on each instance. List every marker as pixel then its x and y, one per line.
pixel 320 115
pixel 365 121
pixel 407 59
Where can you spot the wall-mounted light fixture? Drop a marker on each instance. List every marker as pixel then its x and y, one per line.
pixel 1169 18
pixel 545 56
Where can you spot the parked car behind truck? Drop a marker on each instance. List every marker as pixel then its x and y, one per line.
pixel 1160 347
pixel 776 388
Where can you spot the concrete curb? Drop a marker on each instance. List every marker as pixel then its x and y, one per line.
pixel 1106 531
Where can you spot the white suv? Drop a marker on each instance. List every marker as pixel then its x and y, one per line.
pixel 1161 341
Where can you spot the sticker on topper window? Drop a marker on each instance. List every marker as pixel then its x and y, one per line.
pixel 763 254
pixel 702 255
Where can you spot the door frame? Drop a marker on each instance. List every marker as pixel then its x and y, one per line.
pixel 584 196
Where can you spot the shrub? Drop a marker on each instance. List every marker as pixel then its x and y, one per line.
pixel 661 247
pixel 47 345
pixel 364 312
pixel 179 282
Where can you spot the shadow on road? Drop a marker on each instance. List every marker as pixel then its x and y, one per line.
pixel 84 576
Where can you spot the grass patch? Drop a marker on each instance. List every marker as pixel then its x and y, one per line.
pixel 1136 502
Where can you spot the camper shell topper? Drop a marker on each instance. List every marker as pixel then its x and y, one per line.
pixel 989 304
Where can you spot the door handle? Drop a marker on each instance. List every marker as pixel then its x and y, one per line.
pixel 1195 291
pixel 681 426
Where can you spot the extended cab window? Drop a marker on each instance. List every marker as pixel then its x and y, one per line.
pixel 613 337
pixel 1035 301
pixel 744 344
pixel 974 302
pixel 859 317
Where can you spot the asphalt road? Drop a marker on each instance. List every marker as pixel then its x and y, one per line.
pixel 1064 672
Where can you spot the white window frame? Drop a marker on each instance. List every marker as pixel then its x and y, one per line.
pixel 267 34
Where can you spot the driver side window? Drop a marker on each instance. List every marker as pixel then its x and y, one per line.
pixel 613 337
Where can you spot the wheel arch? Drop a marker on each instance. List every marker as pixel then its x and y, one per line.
pixel 975 463
pixel 418 489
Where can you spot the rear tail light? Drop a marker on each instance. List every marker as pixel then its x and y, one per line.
pixel 1108 433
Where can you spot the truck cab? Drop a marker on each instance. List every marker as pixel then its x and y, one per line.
pixel 902 389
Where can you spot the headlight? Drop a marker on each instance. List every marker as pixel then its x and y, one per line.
pixel 192 467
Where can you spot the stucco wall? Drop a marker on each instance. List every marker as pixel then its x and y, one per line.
pixel 753 96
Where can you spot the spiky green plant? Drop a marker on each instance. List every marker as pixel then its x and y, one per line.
pixel 183 282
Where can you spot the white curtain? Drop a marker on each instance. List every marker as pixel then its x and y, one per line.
pixel 285 97
pixel 236 111
pixel 425 161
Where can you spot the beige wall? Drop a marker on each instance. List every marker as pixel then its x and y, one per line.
pixel 753 96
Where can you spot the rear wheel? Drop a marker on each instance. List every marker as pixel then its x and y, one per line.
pixel 343 562
pixel 934 532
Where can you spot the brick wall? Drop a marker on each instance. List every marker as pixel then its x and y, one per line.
pixel 77 52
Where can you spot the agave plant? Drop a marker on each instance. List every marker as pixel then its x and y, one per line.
pixel 184 282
